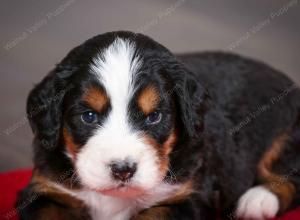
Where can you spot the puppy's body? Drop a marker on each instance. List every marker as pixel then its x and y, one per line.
pixel 198 134
pixel 260 107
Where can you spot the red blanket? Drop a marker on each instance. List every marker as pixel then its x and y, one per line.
pixel 12 182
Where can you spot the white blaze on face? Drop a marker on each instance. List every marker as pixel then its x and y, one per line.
pixel 116 140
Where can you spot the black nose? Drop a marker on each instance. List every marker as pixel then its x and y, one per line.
pixel 123 170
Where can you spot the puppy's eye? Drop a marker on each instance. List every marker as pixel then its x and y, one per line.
pixel 89 117
pixel 153 118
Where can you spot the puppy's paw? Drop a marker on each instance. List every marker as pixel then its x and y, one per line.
pixel 257 203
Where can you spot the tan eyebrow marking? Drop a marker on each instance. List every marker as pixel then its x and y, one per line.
pixel 96 98
pixel 148 99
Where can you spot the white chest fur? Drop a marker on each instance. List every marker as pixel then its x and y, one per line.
pixel 114 208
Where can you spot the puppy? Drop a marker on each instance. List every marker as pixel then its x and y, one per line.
pixel 123 129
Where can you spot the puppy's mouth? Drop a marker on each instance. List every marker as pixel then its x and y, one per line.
pixel 122 191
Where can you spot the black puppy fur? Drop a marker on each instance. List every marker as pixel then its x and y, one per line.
pixel 228 111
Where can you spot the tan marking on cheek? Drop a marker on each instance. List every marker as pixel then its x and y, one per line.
pixel 166 150
pixel 148 99
pixel 42 185
pixel 163 150
pixel 170 142
pixel 96 98
pixel 276 183
pixel 182 194
pixel 71 147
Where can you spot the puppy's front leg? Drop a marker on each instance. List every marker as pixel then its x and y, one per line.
pixel 37 202
pixel 52 211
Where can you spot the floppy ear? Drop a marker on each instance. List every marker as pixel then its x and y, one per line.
pixel 44 109
pixel 192 99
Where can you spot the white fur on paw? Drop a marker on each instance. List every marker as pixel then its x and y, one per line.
pixel 257 203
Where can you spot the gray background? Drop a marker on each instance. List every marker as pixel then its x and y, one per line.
pixel 37 34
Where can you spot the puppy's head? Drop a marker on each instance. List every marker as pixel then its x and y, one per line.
pixel 116 107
